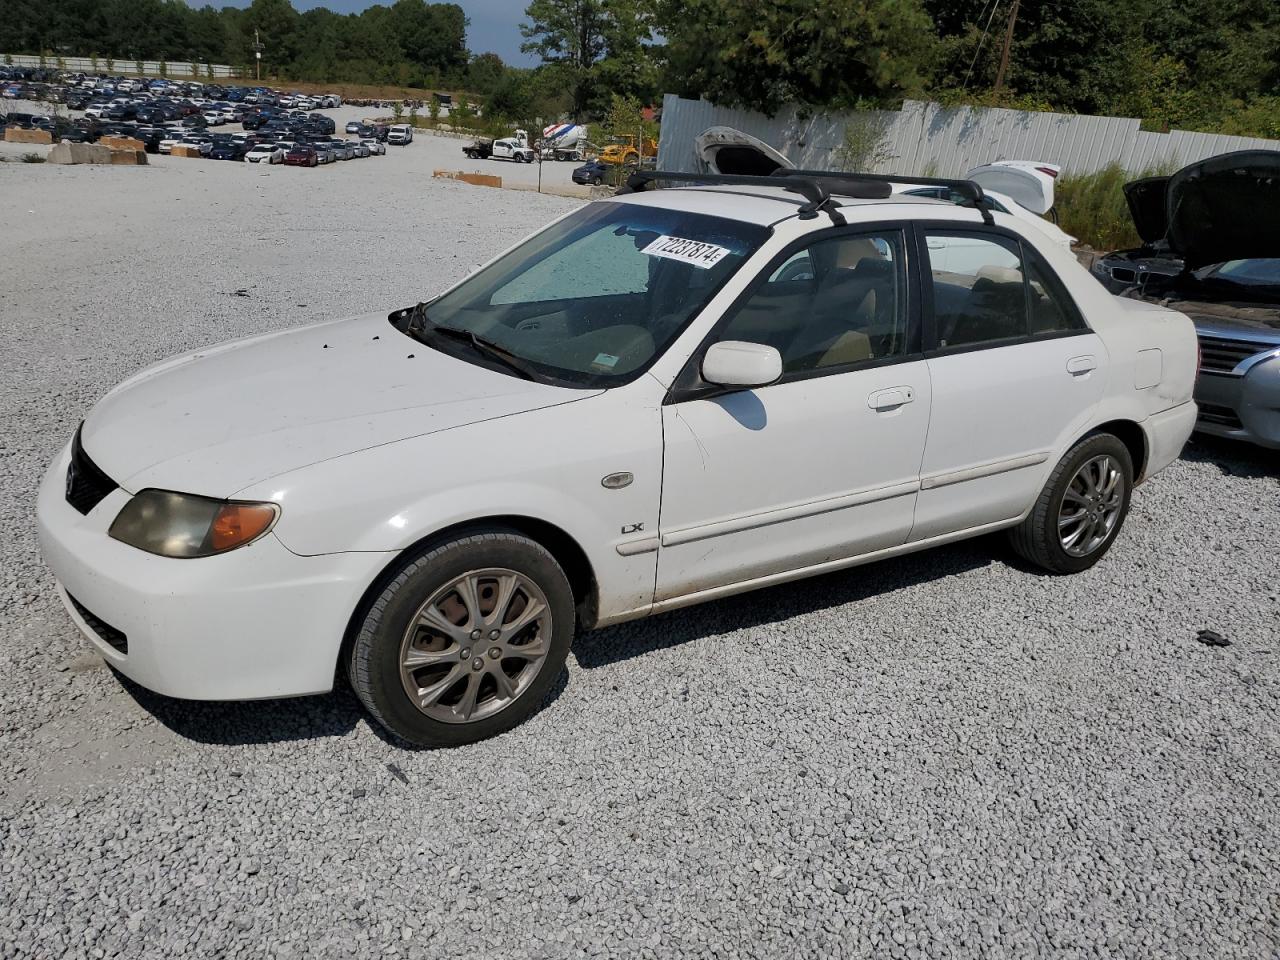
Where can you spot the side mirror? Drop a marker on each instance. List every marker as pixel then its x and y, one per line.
pixel 736 363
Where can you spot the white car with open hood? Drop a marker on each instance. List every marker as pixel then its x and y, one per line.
pixel 662 398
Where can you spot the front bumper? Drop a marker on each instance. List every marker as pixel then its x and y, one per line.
pixel 253 623
pixel 1242 407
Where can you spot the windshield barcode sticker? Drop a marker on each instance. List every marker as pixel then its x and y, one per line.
pixel 701 255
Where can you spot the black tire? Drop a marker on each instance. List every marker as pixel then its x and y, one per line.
pixel 374 661
pixel 1037 538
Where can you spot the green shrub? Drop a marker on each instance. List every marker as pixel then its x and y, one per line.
pixel 1091 206
pixel 32 158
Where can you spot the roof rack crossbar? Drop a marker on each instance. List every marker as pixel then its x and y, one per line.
pixel 816 195
pixel 964 187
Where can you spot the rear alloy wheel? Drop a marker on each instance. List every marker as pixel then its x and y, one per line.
pixel 1080 511
pixel 466 641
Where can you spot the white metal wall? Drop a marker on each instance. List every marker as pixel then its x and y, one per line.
pixel 172 68
pixel 926 138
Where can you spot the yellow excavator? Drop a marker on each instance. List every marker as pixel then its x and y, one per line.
pixel 626 149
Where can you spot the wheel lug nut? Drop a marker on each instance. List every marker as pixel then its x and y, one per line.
pixel 475 634
pixel 494 634
pixel 495 652
pixel 466 652
pixel 477 664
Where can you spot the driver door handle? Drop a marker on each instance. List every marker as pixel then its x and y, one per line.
pixel 891 398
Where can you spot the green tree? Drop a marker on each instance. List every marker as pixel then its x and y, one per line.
pixel 764 54
pixel 569 37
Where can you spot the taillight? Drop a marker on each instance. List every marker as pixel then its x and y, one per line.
pixel 1048 170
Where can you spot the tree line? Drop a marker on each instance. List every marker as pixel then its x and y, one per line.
pixel 1196 64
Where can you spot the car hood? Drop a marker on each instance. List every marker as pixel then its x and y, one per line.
pixel 1148 200
pixel 216 420
pixel 1216 208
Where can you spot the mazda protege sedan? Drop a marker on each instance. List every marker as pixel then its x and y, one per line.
pixel 665 397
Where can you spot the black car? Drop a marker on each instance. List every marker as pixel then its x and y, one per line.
pixel 228 150
pixel 592 172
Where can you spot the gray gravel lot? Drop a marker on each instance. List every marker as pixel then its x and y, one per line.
pixel 938 756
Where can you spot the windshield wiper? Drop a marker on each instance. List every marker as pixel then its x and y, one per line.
pixel 419 325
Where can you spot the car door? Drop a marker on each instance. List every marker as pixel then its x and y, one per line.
pixel 821 465
pixel 1015 372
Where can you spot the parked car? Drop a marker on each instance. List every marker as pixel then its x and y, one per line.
pixel 324 151
pixel 301 155
pixel 238 522
pixel 353 126
pixel 359 149
pixel 228 150
pixel 592 172
pixel 265 153
pixel 400 134
pixel 1211 248
pixel 374 147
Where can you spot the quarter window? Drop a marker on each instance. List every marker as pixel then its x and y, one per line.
pixel 836 302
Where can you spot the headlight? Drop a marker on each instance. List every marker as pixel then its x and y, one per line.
pixel 184 526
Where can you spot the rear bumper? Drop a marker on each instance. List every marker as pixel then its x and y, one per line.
pixel 1167 433
pixel 1242 407
pixel 254 623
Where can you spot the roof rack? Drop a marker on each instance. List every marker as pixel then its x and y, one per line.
pixel 817 191
pixel 966 188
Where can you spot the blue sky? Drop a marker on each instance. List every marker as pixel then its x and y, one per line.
pixel 495 24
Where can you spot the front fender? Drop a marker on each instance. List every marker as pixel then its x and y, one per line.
pixel 543 464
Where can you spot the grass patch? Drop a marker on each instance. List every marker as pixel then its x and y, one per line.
pixel 32 158
pixel 1092 208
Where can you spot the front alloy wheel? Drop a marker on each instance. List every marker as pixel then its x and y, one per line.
pixel 476 645
pixel 465 640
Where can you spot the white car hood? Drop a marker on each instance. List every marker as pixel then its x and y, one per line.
pixel 217 420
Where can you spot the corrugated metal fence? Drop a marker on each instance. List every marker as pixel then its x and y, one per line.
pixel 172 68
pixel 929 139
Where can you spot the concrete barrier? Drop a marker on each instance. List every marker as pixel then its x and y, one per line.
pixel 122 143
pixel 18 135
pixel 67 152
pixel 475 179
pixel 129 158
pixel 184 151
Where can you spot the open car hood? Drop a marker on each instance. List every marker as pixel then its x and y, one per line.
pixel 1024 186
pixel 1224 208
pixel 728 150
pixel 1148 201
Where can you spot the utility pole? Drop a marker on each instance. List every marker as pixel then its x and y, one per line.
pixel 258 48
pixel 1008 42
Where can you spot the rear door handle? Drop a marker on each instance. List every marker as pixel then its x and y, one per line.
pixel 1079 366
pixel 890 398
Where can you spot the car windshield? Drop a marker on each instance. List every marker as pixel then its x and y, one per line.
pixel 595 298
pixel 1259 272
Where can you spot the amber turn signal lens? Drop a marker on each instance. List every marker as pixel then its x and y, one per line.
pixel 238 523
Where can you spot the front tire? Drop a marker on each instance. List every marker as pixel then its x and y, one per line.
pixel 1081 509
pixel 466 640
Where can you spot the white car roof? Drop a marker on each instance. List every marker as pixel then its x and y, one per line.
pixel 768 205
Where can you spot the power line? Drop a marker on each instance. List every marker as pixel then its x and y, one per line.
pixel 981 41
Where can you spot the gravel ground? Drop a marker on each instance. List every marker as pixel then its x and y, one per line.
pixel 938 756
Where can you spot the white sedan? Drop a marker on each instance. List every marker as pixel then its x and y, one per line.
pixel 375 148
pixel 266 153
pixel 665 398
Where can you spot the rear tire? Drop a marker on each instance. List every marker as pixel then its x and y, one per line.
pixel 1081 509
pixel 440 659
